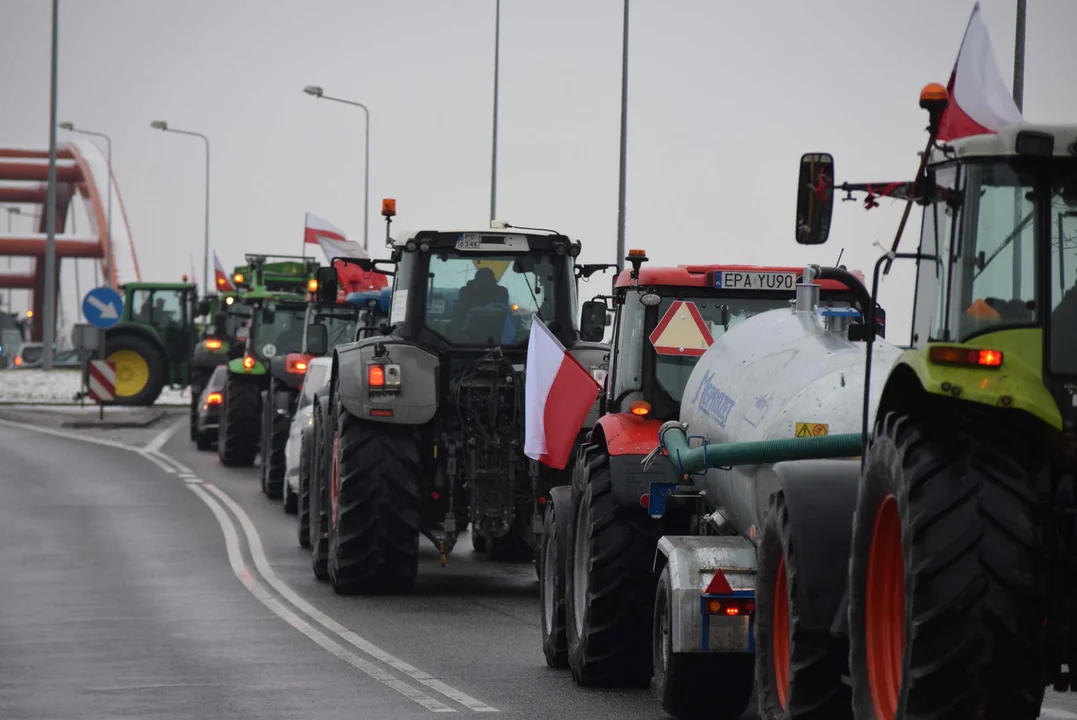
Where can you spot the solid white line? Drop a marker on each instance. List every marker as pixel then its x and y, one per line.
pixel 68 435
pixel 154 459
pixel 235 558
pixel 263 566
pixel 162 437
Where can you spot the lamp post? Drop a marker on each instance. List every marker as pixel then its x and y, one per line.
pixel 11 211
pixel 49 334
pixel 493 154
pixel 70 127
pixel 162 125
pixel 624 147
pixel 317 92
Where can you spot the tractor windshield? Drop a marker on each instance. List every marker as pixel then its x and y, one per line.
pixel 340 325
pixel 491 299
pixel 678 330
pixel 281 336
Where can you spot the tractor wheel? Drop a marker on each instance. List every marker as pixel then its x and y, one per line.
pixel 320 464
pixel 610 584
pixel 798 671
pixel 715 686
pixel 303 502
pixel 374 501
pixel 516 544
pixel 946 600
pixel 204 441
pixel 141 371
pixel 240 417
pixel 552 591
pixel 197 385
pixel 275 430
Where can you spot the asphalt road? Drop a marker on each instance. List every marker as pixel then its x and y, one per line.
pixel 160 584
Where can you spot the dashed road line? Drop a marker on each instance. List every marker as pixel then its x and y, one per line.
pixel 239 567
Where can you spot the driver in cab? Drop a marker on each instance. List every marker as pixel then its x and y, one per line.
pixel 482 291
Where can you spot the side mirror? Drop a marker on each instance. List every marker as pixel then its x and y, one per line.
pixel 317 337
pixel 593 321
pixel 327 285
pixel 203 307
pixel 815 198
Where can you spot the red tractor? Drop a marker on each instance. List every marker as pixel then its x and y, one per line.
pixel 599 538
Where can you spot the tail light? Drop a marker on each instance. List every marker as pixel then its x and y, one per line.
pixel 728 606
pixel 248 362
pixel 18 360
pixel 640 408
pixel 385 376
pixel 213 344
pixel 297 363
pixel 214 398
pixel 969 357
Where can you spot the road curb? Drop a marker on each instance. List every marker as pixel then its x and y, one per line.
pixel 61 420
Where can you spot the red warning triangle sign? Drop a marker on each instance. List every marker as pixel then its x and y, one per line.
pixel 682 331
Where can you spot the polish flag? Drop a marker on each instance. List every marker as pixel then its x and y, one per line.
pixel 334 244
pixel 224 283
pixel 980 104
pixel 194 275
pixel 558 394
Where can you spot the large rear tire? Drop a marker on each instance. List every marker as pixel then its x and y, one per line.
pixel 141 369
pixel 609 583
pixel 303 503
pixel 715 686
pixel 798 671
pixel 374 501
pixel 275 428
pixel 321 462
pixel 946 597
pixel 241 414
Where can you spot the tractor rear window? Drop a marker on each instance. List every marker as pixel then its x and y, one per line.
pixel 283 335
pixel 718 314
pixel 473 300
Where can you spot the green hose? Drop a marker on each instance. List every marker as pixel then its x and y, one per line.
pixel 693 460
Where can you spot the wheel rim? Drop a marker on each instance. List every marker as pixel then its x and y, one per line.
pixel 780 634
pixel 885 610
pixel 665 640
pixel 334 485
pixel 132 372
pixel 580 559
pixel 549 578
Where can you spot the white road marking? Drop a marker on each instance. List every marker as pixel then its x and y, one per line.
pixel 235 558
pixel 154 459
pixel 1057 714
pixel 264 568
pixel 68 435
pixel 162 437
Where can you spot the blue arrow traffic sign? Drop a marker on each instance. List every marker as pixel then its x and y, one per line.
pixel 102 307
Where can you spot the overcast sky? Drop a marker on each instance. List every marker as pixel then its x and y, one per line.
pixel 723 99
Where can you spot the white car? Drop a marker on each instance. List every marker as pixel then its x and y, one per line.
pixel 317 376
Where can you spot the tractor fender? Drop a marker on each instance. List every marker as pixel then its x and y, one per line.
pixel 235 366
pixel 820 497
pixel 627 440
pixel 1016 385
pixel 415 403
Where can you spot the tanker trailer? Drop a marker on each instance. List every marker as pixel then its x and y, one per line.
pixel 785 385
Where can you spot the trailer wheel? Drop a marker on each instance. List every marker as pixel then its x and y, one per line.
pixel 275 429
pixel 798 671
pixel 303 503
pixel 237 438
pixel 374 506
pixel 715 686
pixel 552 590
pixel 946 596
pixel 319 494
pixel 610 584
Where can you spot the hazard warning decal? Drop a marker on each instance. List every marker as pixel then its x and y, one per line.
pixel 682 331
pixel 812 429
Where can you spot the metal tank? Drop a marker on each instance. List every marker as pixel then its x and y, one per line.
pixel 780 376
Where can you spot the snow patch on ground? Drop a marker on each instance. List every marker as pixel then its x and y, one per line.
pixel 61 386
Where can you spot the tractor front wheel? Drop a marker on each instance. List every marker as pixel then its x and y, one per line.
pixel 946 596
pixel 240 417
pixel 141 370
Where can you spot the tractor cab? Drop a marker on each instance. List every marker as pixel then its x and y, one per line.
pixel 667 317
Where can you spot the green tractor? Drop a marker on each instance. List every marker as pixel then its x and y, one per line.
pixel 961 596
pixel 152 342
pixel 270 323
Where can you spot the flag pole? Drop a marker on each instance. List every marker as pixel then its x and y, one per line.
pixel 1018 98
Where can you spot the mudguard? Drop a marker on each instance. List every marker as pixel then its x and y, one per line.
pixel 235 365
pixel 693 561
pixel 820 496
pixel 417 401
pixel 627 439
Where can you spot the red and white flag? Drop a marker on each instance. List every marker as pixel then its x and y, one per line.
pixel 558 394
pixel 334 244
pixel 224 283
pixel 980 104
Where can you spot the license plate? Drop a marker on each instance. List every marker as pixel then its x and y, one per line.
pixel 747 280
pixel 469 241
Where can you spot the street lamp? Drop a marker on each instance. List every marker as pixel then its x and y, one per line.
pixel 70 127
pixel 162 125
pixel 493 154
pixel 316 91
pixel 621 181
